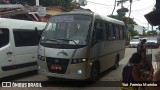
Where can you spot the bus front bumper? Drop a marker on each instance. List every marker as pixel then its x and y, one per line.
pixel 74 74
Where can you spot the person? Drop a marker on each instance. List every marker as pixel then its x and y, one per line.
pixel 145 64
pixel 141 48
pixel 131 72
pixel 156 80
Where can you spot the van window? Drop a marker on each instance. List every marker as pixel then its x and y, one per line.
pixel 4 37
pixel 26 37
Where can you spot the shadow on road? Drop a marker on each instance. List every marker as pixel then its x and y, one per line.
pixel 59 82
pixel 19 76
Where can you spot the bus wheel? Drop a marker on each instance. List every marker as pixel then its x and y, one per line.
pixel 116 64
pixel 94 73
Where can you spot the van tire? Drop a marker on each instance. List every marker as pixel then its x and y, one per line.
pixel 94 72
pixel 116 64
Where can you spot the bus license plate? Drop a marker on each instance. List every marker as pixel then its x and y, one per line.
pixel 56 67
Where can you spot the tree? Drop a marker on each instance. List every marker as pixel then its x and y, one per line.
pixel 124 1
pixel 130 20
pixel 152 32
pixel 122 12
pixel 63 3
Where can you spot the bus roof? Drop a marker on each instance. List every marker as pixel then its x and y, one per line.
pixel 21 24
pixel 108 19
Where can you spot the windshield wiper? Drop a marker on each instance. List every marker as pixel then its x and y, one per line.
pixel 56 40
pixel 68 40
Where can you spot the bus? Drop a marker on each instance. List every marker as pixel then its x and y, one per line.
pixel 80 45
pixel 18 45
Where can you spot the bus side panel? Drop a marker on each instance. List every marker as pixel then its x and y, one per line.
pixel 107 51
pixel 101 53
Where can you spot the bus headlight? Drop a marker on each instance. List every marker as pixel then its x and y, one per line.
pixel 41 57
pixel 79 71
pixel 80 60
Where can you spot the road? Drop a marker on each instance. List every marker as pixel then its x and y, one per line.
pixel 110 75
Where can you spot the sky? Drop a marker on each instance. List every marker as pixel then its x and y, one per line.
pixel 139 9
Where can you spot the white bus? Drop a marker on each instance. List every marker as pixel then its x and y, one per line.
pixel 80 45
pixel 18 45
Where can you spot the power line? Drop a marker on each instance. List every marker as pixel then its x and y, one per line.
pixel 138 14
pixel 138 20
pixel 99 3
pixel 143 9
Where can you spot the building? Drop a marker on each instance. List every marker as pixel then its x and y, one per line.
pixel 139 29
pixel 17 11
pixel 153 17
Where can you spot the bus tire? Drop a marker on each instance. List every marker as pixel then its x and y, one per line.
pixel 94 72
pixel 116 64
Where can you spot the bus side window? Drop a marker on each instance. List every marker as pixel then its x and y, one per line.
pixel 98 30
pixel 124 32
pixel 117 32
pixel 111 35
pixel 4 37
pixel 121 32
pixel 114 32
pixel 107 31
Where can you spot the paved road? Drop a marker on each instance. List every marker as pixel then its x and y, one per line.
pixel 110 75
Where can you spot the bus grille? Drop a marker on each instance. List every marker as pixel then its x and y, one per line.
pixel 63 63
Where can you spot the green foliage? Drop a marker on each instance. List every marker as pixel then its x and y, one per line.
pixel 152 32
pixel 132 31
pixel 116 17
pixel 122 12
pixel 129 20
pixel 63 3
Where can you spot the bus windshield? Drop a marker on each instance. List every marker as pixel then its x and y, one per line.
pixel 67 29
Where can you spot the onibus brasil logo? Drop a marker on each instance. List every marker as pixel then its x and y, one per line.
pixel 21 84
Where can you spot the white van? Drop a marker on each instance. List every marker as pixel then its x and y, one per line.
pixel 18 45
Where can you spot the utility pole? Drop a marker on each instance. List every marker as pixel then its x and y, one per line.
pixel 148 26
pixel 37 2
pixel 121 3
